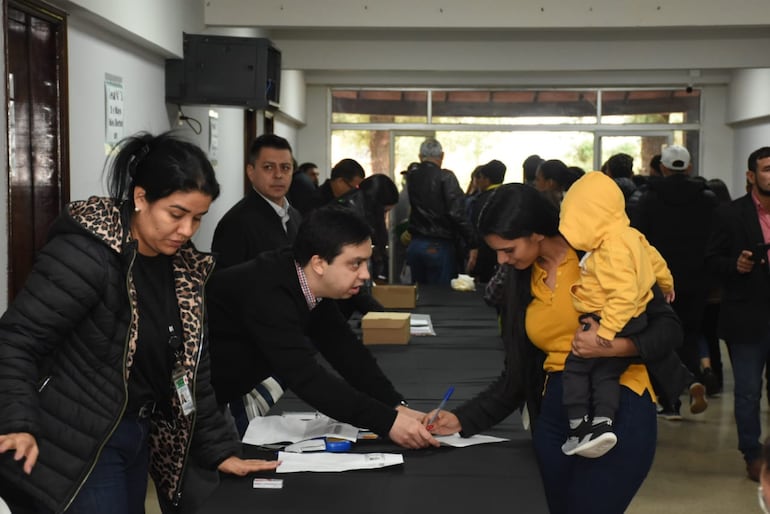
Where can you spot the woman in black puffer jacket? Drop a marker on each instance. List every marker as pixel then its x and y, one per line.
pixel 104 367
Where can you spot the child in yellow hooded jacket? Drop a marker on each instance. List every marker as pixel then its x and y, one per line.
pixel 617 274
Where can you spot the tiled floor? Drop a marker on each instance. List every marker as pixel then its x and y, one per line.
pixel 697 468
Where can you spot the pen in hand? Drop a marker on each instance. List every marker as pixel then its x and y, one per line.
pixel 442 404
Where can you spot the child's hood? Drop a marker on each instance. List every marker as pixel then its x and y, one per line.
pixel 592 209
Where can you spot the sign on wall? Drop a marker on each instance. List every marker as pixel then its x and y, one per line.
pixel 113 109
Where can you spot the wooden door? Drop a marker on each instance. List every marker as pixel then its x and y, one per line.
pixel 38 175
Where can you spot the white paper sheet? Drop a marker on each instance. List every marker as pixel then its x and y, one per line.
pixel 335 462
pixel 421 325
pixel 461 442
pixel 278 429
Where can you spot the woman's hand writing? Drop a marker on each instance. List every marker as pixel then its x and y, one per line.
pixel 445 423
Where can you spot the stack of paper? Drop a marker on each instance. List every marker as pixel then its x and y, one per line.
pixel 280 429
pixel 421 325
pixel 333 462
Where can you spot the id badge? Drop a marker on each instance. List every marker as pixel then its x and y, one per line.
pixel 183 392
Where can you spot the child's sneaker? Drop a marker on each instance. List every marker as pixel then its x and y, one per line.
pixel 577 435
pixel 600 440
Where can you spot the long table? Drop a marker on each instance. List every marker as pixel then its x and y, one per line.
pixel 466 353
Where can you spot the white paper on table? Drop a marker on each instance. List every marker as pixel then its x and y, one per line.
pixel 421 325
pixel 334 462
pixel 461 442
pixel 279 429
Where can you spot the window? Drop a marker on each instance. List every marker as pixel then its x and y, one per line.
pixel 582 127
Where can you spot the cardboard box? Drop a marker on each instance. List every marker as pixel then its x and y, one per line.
pixel 386 327
pixel 396 297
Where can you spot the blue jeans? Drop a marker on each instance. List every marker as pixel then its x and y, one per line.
pixel 748 359
pixel 432 261
pixel 580 485
pixel 118 482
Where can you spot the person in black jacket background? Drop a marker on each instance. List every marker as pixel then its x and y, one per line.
pixel 273 314
pixel 108 325
pixel 437 218
pixel 738 254
pixel 263 220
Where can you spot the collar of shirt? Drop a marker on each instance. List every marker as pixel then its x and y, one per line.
pixel 281 211
pixel 310 298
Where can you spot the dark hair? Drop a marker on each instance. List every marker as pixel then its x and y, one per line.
pixel 161 165
pixel 530 166
pixel 494 170
pixel 518 210
pixel 620 165
pixel 267 141
pixel 756 155
pixel 655 164
pixel 556 170
pixel 326 230
pixel 573 173
pixel 347 170
pixel 719 188
pixel 379 190
pixel 304 167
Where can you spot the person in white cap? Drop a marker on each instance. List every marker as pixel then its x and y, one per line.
pixel 674 213
pixel 675 158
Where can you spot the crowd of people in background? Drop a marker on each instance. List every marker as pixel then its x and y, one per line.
pixel 691 263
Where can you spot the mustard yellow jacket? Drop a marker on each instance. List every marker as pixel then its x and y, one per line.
pixel 620 266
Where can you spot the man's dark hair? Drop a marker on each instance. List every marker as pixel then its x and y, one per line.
pixel 347 169
pixel 530 166
pixel 620 165
pixel 556 170
pixel 518 210
pixel 756 155
pixel 326 231
pixel 267 141
pixel 719 188
pixel 304 167
pixel 494 170
pixel 655 164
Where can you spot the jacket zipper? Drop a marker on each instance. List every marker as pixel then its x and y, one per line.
pixel 178 493
pixel 125 391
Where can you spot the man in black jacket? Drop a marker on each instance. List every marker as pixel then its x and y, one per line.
pixel 264 313
pixel 675 214
pixel 437 219
pixel 738 253
pixel 263 219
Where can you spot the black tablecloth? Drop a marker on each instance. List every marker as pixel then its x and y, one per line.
pixel 467 353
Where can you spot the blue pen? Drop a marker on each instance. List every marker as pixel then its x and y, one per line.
pixel 442 404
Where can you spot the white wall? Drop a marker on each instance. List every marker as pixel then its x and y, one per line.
pixel 3 187
pixel 155 25
pixel 92 52
pixel 314 139
pixel 749 115
pixel 229 166
pixel 716 143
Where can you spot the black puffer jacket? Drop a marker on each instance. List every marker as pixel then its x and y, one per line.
pixel 437 205
pixel 66 348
